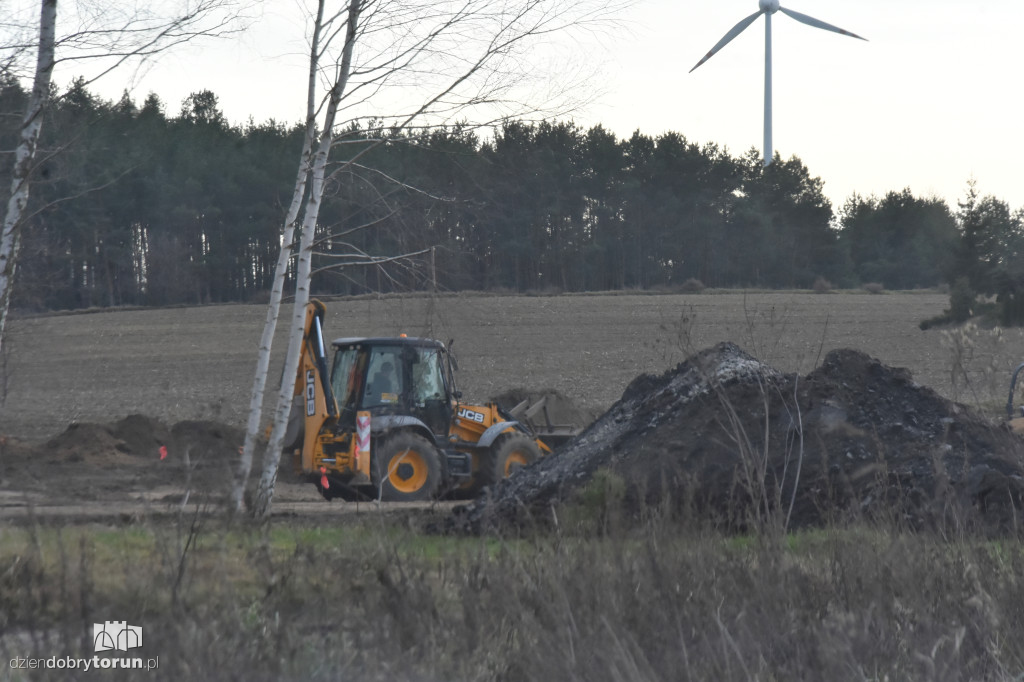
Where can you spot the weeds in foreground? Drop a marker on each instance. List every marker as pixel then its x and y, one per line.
pixel 975 371
pixel 668 601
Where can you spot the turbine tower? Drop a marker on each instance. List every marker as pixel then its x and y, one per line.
pixel 768 8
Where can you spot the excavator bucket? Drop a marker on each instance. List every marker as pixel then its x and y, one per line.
pixel 535 414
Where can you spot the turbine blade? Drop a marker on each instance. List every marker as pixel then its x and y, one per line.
pixel 811 21
pixel 736 30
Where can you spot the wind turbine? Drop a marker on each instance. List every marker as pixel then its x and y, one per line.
pixel 768 8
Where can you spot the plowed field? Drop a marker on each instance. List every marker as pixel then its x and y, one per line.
pixel 182 364
pixel 196 363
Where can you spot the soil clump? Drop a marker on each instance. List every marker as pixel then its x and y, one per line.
pixel 726 439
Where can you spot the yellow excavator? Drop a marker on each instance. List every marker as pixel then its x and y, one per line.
pixel 386 421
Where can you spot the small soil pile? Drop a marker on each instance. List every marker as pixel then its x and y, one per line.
pixel 142 436
pixel 90 461
pixel 106 445
pixel 726 438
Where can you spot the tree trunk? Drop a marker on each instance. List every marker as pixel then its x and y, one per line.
pixel 272 457
pixel 259 383
pixel 31 125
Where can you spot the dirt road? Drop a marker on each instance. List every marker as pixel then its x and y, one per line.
pixel 291 501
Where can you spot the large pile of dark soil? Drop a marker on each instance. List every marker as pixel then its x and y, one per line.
pixel 725 438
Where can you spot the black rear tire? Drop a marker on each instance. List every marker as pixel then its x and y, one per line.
pixel 510 453
pixel 407 468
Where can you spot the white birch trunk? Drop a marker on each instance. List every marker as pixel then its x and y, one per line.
pixel 280 272
pixel 272 457
pixel 24 156
pixel 259 383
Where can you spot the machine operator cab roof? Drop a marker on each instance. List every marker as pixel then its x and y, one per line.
pixel 388 341
pixel 394 376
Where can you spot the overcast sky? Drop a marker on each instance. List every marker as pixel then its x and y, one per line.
pixel 931 100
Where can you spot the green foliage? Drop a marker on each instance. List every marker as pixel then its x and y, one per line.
pixel 136 207
pixel 991 247
pixel 599 506
pixel 990 255
pixel 188 209
pixel 692 286
pixel 963 305
pixel 961 300
pixel 898 241
pixel 1011 309
pixel 987 259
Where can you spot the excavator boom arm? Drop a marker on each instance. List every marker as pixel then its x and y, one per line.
pixel 313 382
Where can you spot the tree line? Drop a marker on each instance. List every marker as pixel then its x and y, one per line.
pixel 132 205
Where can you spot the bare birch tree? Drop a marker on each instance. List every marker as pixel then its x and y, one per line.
pixel 105 36
pixel 426 62
pixel 31 125
pixel 306 162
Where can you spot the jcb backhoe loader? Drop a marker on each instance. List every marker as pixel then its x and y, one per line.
pixel 386 422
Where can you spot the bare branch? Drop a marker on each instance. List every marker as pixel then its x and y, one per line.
pixel 105 35
pixel 331 236
pixel 364 260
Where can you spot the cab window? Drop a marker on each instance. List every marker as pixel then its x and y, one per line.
pixel 426 376
pixel 346 376
pixel 384 382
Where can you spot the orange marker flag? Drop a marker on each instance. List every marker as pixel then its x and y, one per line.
pixel 324 483
pixel 163 452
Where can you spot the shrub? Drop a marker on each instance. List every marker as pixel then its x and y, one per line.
pixel 961 300
pixel 822 286
pixel 1011 309
pixel 962 304
pixel 874 287
pixel 599 504
pixel 692 286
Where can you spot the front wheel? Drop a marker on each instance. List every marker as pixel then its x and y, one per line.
pixel 407 468
pixel 505 457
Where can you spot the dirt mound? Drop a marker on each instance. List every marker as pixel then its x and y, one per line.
pixel 94 461
pixel 84 442
pixel 141 435
pixel 100 444
pixel 727 438
pixel 199 440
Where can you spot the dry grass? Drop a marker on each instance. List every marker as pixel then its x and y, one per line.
pixel 378 601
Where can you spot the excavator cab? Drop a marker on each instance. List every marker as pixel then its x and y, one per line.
pixel 394 377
